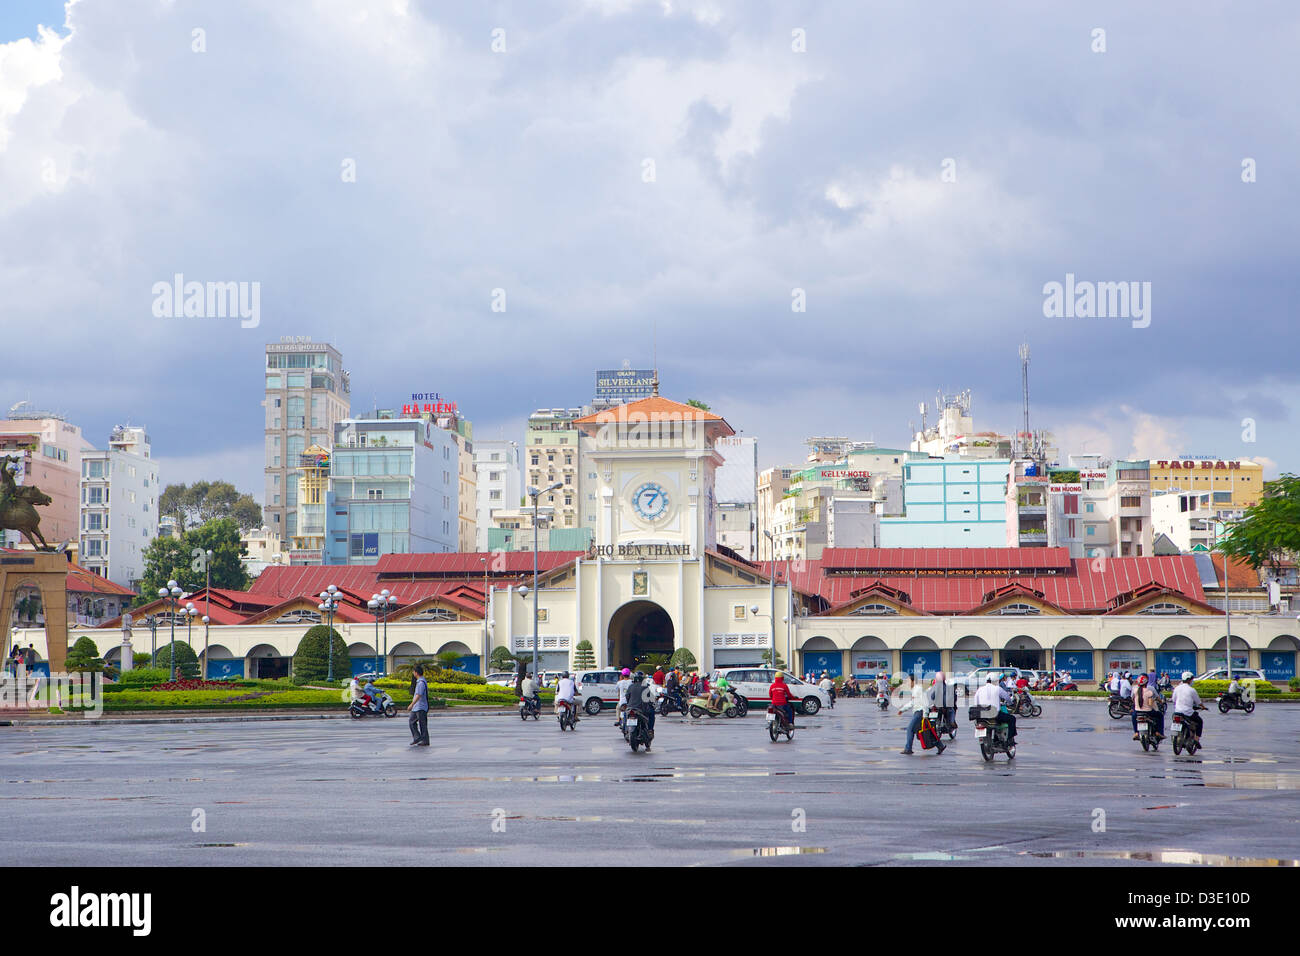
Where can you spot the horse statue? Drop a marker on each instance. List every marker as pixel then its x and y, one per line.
pixel 18 504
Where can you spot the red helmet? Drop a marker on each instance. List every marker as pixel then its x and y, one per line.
pixel 1142 679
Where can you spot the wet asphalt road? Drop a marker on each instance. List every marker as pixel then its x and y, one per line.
pixel 493 791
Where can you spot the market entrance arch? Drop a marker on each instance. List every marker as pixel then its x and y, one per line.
pixel 637 629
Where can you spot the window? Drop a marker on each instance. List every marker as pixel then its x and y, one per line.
pixel 297 380
pixel 273 381
pixel 1092 530
pixel 494 476
pixel 494 495
pixel 1091 508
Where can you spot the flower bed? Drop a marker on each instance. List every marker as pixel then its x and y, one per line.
pixel 193 683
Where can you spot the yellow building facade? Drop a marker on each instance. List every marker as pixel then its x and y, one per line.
pixel 1237 483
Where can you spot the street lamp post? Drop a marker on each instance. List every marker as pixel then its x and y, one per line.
pixel 190 612
pixel 379 605
pixel 152 621
pixel 172 594
pixel 206 621
pixel 1213 528
pixel 329 603
pixel 487 640
pixel 535 494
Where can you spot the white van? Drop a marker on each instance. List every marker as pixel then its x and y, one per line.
pixel 753 683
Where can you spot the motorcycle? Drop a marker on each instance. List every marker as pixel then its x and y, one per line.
pixel 882 700
pixel 567 715
pixel 1025 706
pixel 730 705
pixel 1120 707
pixel 636 731
pixel 380 703
pixel 529 707
pixel 1184 737
pixel 778 725
pixel 943 724
pixel 672 701
pixel 994 736
pixel 1227 703
pixel 850 690
pixel 1147 732
pixel 1062 685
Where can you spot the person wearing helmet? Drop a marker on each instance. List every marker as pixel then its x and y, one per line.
pixel 529 689
pixel 781 697
pixel 1187 702
pixel 567 690
pixel 1125 687
pixel 641 698
pixel 1145 700
pixel 828 686
pixel 718 697
pixel 625 681
pixel 993 694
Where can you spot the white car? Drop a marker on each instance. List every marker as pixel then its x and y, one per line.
pixel 754 683
pixel 1221 673
pixel 501 679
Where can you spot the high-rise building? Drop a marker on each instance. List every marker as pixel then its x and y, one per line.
pixel 951 503
pixel 736 491
pixel 48 451
pixel 307 392
pixel 394 488
pixel 552 453
pixel 1234 483
pixel 773 484
pixel 119 506
pixel 497 483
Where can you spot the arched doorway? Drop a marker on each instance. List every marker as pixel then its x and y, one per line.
pixel 920 656
pixel 820 654
pixel 870 656
pixel 1024 652
pixel 639 628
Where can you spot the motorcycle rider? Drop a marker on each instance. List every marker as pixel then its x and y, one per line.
pixel 1164 685
pixel 1112 684
pixel 370 694
pixel 567 690
pixel 641 699
pixel 718 696
pixel 781 698
pixel 945 698
pixel 828 686
pixel 993 694
pixel 1147 701
pixel 1233 694
pixel 1125 686
pixel 1186 702
pixel 922 700
pixel 529 690
pixel 625 681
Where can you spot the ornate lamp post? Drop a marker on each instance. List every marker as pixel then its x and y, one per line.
pixel 536 493
pixel 329 603
pixel 206 620
pixel 152 621
pixel 172 594
pixel 379 605
pixel 190 613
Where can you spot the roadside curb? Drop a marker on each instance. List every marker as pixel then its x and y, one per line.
pixel 220 718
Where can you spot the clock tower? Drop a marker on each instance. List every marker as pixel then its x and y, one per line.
pixel 654 463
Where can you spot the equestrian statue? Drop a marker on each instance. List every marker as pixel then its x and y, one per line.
pixel 18 504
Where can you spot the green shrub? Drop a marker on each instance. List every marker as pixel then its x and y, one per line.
pixel 1294 684
pixel 312 659
pixel 1213 688
pixel 187 663
pixel 584 659
pixel 84 656
pixel 141 659
pixel 148 676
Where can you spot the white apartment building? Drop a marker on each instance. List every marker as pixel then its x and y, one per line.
pixel 550 454
pixel 119 506
pixel 499 477
pixel 735 508
pixel 1189 518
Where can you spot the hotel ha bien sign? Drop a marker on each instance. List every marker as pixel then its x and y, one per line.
pixel 428 403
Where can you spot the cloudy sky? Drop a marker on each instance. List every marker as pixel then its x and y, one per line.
pixel 669 172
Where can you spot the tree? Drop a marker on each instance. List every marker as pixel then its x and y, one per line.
pixel 682 658
pixel 502 659
pixel 203 501
pixel 1269 532
pixel 766 657
pixel 187 662
pixel 141 659
pixel 84 656
pixel 583 658
pixel 185 560
pixel 311 661
pixel 447 660
pixel 696 403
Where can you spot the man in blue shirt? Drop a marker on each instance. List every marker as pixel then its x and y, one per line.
pixel 419 708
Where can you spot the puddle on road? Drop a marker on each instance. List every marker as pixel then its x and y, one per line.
pixel 939 857
pixel 1159 856
pixel 217 844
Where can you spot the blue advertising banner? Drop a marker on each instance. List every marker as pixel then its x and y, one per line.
pixel 615 386
pixel 467 664
pixel 366 665
pixel 224 669
pixel 1078 663
pixel 1174 663
pixel 871 663
pixel 963 662
pixel 370 544
pixel 818 661
pixel 924 662
pixel 1278 666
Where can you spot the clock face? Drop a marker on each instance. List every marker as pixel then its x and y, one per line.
pixel 650 501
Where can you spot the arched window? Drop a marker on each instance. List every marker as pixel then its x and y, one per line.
pixel 299 617
pixel 1019 609
pixel 876 609
pixel 433 614
pixel 1164 607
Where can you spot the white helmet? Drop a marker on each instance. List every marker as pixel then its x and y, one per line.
pixel 1187 675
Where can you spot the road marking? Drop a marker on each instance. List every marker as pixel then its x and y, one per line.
pixel 550 751
pixel 602 750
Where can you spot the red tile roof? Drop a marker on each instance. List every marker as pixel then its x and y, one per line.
pixel 82 581
pixel 1080 586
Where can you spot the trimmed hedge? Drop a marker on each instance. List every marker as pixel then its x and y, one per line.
pixel 312 659
pixel 173 700
pixel 1213 688
pixel 146 675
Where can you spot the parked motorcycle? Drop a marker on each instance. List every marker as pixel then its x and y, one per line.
pixel 636 731
pixel 1119 707
pixel 672 701
pixel 1236 702
pixel 380 703
pixel 994 737
pixel 1184 737
pixel 1147 732
pixel 529 707
pixel 778 725
pixel 942 723
pixel 1062 685
pixel 567 715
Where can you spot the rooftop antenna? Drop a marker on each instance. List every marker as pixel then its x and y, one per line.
pixel 655 356
pixel 1024 382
